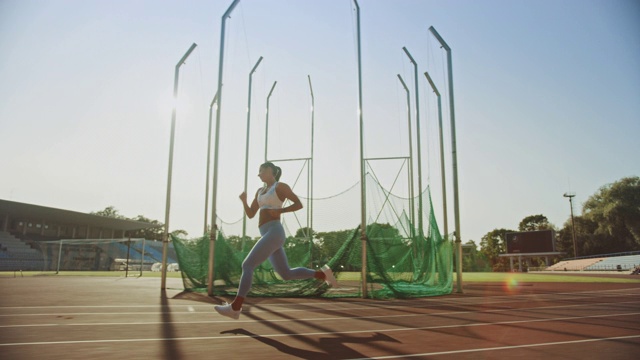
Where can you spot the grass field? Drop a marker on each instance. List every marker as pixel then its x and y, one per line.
pixel 355 276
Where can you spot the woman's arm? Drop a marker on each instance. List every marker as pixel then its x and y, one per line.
pixel 284 192
pixel 250 210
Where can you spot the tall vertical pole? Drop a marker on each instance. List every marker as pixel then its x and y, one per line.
pixel 142 258
pixel 206 192
pixel 573 228
pixel 415 80
pixel 59 257
pixel 246 154
pixel 165 236
pixel 454 158
pixel 214 192
pixel 126 268
pixel 412 211
pixel 363 193
pixel 266 128
pixel 310 210
pixel 442 167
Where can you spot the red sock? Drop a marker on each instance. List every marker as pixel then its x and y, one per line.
pixel 237 303
pixel 320 275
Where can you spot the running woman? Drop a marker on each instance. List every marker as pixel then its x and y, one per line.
pixel 268 200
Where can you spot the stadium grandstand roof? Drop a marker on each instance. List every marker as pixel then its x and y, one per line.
pixel 17 209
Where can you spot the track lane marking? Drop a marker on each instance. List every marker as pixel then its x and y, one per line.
pixel 532 309
pixel 402 329
pixel 501 348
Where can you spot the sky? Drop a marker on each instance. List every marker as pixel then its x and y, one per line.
pixel 546 96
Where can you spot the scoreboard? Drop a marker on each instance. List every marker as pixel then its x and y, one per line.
pixel 528 242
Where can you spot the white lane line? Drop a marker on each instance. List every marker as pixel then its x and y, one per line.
pixel 337 318
pixel 444 300
pixel 323 306
pixel 501 348
pixel 401 329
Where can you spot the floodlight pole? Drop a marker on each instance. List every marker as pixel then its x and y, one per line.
pixel 214 192
pixel 412 193
pixel 310 210
pixel 165 236
pixel 206 193
pixel 454 158
pixel 266 131
pixel 573 227
pixel 415 80
pixel 246 155
pixel 363 203
pixel 442 167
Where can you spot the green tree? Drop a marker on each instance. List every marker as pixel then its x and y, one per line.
pixel 109 211
pixel 615 209
pixel 473 260
pixel 330 242
pixel 304 232
pixel 610 221
pixel 151 233
pixel 492 245
pixel 587 242
pixel 534 222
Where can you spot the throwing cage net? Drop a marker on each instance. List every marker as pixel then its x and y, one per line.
pixel 403 259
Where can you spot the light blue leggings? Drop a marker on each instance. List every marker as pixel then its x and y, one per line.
pixel 270 246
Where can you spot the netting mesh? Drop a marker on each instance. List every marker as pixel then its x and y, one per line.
pixel 403 260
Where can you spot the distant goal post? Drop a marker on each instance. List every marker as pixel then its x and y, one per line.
pixel 95 254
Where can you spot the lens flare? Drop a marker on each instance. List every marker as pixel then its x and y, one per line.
pixel 510 284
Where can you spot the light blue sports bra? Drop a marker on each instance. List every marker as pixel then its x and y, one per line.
pixel 269 199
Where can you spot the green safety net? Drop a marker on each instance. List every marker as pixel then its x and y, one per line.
pixel 403 260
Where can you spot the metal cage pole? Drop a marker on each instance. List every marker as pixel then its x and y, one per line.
pixel 363 204
pixel 246 155
pixel 415 75
pixel 206 192
pixel 412 191
pixel 214 192
pixel 142 261
pixel 310 182
pixel 165 236
pixel 266 128
pixel 59 257
pixel 442 167
pixel 454 157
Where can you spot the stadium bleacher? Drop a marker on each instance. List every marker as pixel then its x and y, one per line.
pixel 624 263
pixel 15 254
pixel 156 254
pixel 573 265
pixel 617 263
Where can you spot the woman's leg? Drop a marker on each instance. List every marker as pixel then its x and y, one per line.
pixel 270 242
pixel 281 265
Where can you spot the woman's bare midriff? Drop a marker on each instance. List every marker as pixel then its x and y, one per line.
pixel 265 217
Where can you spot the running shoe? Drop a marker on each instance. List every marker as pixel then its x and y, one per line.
pixel 227 310
pixel 329 278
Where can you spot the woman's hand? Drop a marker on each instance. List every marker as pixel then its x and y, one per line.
pixel 243 196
